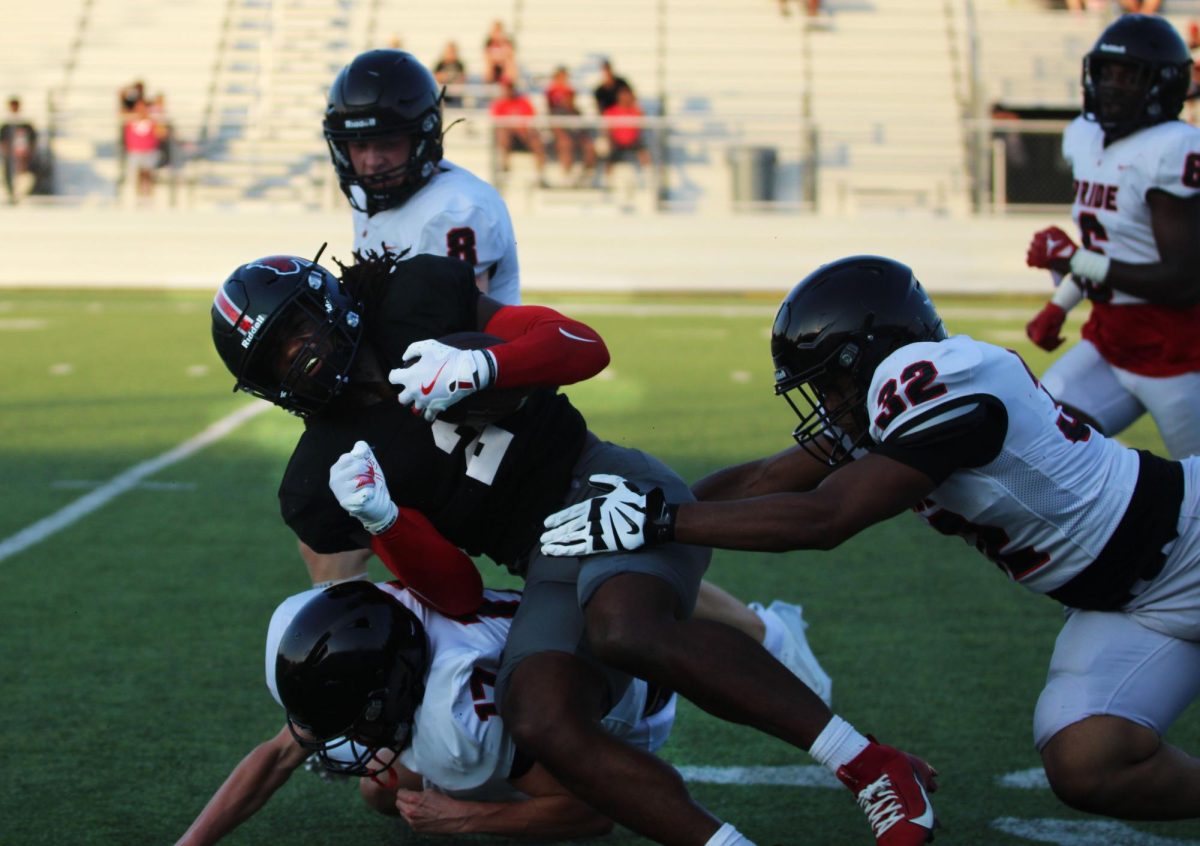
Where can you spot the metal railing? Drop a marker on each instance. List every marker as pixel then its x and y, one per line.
pixel 1017 165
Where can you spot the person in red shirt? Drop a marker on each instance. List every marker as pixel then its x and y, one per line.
pixel 143 134
pixel 625 137
pixel 516 135
pixel 560 101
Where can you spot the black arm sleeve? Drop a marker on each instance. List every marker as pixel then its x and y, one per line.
pixel 971 439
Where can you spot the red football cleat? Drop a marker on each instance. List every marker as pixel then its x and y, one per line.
pixel 890 786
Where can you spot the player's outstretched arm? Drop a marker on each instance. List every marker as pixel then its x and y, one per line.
pixel 550 812
pixel 247 789
pixel 857 495
pixel 791 470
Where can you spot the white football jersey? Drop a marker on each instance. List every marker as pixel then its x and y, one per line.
pixel 454 214
pixel 1045 507
pixel 1111 184
pixel 459 744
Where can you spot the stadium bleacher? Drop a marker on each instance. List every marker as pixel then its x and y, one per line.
pixel 876 104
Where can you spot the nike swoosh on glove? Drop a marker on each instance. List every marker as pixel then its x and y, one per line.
pixel 1045 329
pixel 1052 249
pixel 436 376
pixel 620 520
pixel 356 479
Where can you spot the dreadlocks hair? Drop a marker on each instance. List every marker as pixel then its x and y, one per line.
pixel 370 275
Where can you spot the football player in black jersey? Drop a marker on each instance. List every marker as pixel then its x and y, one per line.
pixel 341 352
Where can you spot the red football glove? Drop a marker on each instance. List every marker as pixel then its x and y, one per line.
pixel 1046 327
pixel 1051 249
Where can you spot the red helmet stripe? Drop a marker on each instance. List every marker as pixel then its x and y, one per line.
pixel 230 311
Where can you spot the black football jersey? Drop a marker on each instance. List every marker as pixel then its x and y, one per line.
pixel 486 490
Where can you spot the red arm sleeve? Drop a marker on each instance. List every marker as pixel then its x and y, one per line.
pixel 544 349
pixel 437 571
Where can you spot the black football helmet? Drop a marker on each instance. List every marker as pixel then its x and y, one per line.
pixel 834 328
pixel 1156 53
pixel 266 304
pixel 383 93
pixel 350 671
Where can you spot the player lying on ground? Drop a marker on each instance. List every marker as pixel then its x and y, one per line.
pixel 896 416
pixel 458 771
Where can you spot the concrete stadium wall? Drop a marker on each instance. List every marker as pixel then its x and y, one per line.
pixel 107 247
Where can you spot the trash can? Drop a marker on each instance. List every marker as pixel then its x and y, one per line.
pixel 753 171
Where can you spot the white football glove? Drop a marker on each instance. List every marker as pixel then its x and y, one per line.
pixel 620 520
pixel 441 376
pixel 357 481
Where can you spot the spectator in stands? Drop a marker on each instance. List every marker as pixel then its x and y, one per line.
pixel 560 101
pixel 18 147
pixel 129 96
pixel 520 135
pixel 143 137
pixel 127 99
pixel 451 73
pixel 499 55
pixel 166 142
pixel 811 7
pixel 606 91
pixel 626 140
pixel 1141 7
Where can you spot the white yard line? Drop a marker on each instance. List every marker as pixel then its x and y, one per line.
pixel 64 517
pixel 1082 833
pixel 1061 832
pixel 800 776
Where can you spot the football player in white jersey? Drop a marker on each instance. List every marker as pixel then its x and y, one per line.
pixel 383 124
pixel 1137 204
pixel 894 415
pixel 458 771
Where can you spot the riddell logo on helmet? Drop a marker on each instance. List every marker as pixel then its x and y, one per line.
pixel 360 123
pixel 254 327
pixel 1112 48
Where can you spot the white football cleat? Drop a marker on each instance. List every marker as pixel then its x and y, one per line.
pixel 795 653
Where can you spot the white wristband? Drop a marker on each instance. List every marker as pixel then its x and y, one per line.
pixel 1067 295
pixel 488 370
pixel 1090 265
pixel 389 520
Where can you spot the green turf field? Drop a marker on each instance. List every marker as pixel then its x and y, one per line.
pixel 131 642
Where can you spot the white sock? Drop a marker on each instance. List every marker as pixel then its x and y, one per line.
pixel 773 639
pixel 727 835
pixel 838 744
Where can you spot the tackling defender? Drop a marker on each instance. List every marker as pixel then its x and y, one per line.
pixel 895 415
pixel 458 771
pixel 330 652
